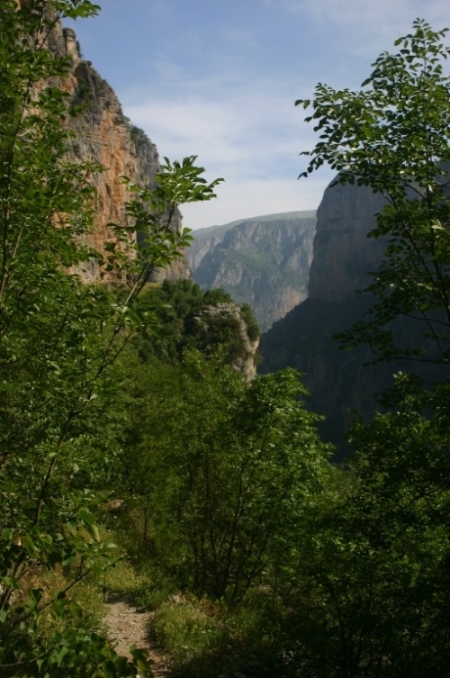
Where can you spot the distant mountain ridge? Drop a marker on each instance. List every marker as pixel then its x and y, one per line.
pixel 202 233
pixel 263 261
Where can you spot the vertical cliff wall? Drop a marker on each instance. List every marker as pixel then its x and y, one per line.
pixel 342 252
pixel 104 135
pixel 342 258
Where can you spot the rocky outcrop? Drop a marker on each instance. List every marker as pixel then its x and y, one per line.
pixel 263 262
pixel 225 319
pixel 102 134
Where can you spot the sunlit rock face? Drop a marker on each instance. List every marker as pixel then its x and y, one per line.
pixel 103 135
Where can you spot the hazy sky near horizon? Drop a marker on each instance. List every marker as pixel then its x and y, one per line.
pixel 219 78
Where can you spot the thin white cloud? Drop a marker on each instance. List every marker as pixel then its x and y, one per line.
pixel 246 132
pixel 239 36
pixel 243 125
pixel 368 28
pixel 254 197
pixel 250 135
pixel 381 13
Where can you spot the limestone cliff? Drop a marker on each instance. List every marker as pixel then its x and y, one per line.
pixel 262 261
pixel 203 244
pixel 104 135
pixel 343 255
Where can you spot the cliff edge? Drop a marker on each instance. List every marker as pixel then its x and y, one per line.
pixel 104 135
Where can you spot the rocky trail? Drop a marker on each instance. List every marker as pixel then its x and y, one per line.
pixel 126 626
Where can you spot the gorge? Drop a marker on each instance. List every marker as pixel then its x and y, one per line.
pixel 343 256
pixel 262 261
pixel 145 467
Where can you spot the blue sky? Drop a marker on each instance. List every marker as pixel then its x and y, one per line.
pixel 218 79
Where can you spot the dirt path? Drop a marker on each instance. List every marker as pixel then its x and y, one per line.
pixel 127 626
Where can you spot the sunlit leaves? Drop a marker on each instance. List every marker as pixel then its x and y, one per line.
pixel 60 341
pixel 394 136
pixel 228 482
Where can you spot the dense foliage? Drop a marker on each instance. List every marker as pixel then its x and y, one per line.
pixel 182 322
pixel 222 472
pixel 259 556
pixel 59 340
pixel 381 602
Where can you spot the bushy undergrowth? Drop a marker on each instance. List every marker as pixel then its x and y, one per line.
pixel 207 639
pixel 188 628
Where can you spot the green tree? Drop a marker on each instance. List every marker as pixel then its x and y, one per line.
pixel 59 339
pixel 230 478
pixel 393 135
pixel 376 576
